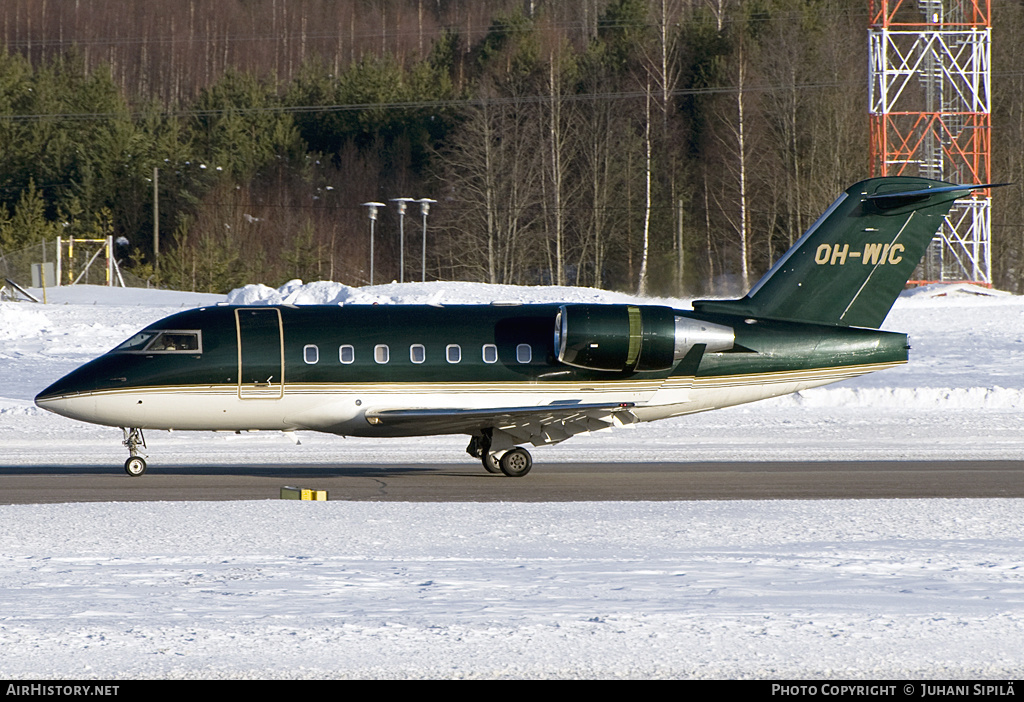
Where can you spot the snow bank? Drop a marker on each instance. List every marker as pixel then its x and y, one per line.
pixel 123 297
pixel 19 320
pixel 952 291
pixel 295 292
pixel 917 398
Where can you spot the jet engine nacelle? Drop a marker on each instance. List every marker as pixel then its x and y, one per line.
pixel 631 337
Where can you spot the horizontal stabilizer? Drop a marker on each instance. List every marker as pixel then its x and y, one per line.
pixel 917 195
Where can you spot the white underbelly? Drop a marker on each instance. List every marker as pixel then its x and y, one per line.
pixel 340 408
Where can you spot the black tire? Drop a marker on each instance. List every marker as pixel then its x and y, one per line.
pixel 490 465
pixel 135 466
pixel 516 463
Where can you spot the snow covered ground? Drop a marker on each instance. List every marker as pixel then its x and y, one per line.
pixel 282 589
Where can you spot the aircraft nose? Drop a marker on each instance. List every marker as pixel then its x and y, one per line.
pixel 62 388
pixel 70 396
pixel 67 406
pixel 80 407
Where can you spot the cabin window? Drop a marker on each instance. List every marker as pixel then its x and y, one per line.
pixel 167 341
pixel 490 353
pixel 453 352
pixel 347 354
pixel 310 353
pixel 524 353
pixel 417 354
pixel 381 353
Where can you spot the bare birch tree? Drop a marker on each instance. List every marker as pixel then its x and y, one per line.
pixel 491 175
pixel 732 195
pixel 645 246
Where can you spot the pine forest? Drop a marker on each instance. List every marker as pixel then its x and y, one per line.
pixel 667 147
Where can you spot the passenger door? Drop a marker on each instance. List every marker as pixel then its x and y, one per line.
pixel 260 353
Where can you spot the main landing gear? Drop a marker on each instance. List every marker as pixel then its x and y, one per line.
pixel 133 439
pixel 515 462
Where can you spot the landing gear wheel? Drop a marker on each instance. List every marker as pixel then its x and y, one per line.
pixel 490 465
pixel 516 463
pixel 133 439
pixel 135 466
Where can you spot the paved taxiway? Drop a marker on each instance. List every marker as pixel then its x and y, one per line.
pixel 555 482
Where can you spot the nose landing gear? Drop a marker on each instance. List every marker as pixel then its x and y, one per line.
pixel 133 439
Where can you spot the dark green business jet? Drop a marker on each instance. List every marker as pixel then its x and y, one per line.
pixel 509 375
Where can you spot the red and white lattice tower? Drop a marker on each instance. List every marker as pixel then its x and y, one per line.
pixel 931 116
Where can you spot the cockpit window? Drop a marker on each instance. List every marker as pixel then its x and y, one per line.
pixel 168 341
pixel 137 342
pixel 175 341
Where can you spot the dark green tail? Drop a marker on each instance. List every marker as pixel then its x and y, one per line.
pixel 850 266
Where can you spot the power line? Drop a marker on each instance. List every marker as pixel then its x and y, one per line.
pixel 446 104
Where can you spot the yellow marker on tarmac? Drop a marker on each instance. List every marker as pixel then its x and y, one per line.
pixel 293 493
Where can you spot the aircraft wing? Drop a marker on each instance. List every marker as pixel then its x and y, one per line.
pixel 538 424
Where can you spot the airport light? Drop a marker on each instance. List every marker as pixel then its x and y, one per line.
pixel 425 203
pixel 373 207
pixel 402 202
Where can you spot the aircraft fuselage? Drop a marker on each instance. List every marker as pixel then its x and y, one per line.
pixel 331 368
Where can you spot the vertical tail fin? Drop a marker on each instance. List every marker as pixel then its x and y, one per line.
pixel 850 266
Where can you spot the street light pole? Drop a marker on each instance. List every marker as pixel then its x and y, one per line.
pixel 402 202
pixel 425 203
pixel 373 206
